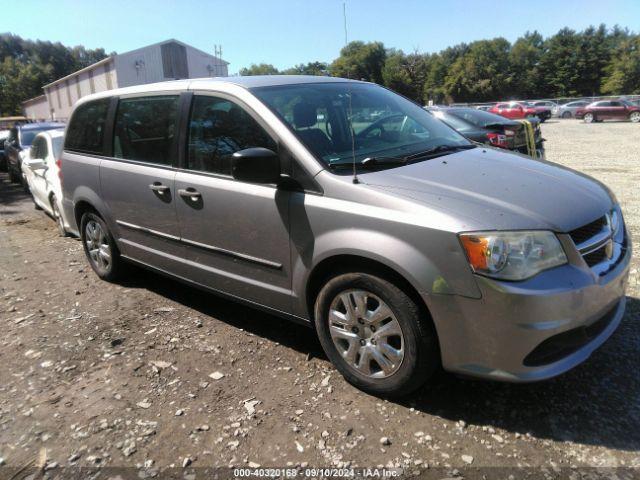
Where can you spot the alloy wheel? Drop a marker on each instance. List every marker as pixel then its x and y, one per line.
pixel 366 333
pixel 97 246
pixel 588 117
pixel 635 117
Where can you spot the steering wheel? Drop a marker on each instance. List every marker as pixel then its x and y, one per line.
pixel 379 124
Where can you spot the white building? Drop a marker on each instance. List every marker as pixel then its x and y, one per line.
pixel 168 60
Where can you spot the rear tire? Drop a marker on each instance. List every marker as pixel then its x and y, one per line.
pixel 634 117
pixel 100 247
pixel 566 115
pixel 393 359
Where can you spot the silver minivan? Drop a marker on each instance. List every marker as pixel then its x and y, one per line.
pixel 347 207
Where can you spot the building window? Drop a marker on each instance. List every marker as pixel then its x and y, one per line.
pixel 174 61
pixel 92 85
pixel 58 94
pixel 78 87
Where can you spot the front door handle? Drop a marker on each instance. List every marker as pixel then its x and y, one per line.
pixel 159 188
pixel 191 193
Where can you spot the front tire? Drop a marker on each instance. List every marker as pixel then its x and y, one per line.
pixel 57 216
pixel 100 247
pixel 566 114
pixel 634 117
pixel 377 337
pixel 589 118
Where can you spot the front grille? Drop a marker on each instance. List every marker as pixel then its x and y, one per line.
pixel 596 257
pixel 587 231
pixel 564 344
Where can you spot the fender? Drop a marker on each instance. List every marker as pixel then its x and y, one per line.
pixel 402 257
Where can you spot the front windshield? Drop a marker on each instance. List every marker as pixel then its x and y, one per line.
pixel 384 124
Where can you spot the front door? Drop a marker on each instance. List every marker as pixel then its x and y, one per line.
pixel 236 233
pixel 617 110
pixel 138 181
pixel 36 177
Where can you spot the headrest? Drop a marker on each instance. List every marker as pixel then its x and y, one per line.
pixel 304 115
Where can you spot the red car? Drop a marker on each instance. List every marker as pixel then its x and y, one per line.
pixel 513 110
pixel 609 110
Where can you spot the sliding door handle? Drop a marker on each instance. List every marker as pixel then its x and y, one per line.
pixel 191 193
pixel 159 188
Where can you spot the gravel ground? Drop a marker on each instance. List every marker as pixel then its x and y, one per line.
pixel 161 379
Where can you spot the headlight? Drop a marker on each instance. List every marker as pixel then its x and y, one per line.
pixel 512 255
pixel 615 220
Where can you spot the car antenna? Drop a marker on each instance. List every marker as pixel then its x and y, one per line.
pixel 353 139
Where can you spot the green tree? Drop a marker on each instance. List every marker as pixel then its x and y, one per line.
pixel 18 82
pixel 438 67
pixel 559 64
pixel 622 75
pixel 311 68
pixel 259 69
pixel 481 73
pixel 25 66
pixel 524 59
pixel 360 61
pixel 406 74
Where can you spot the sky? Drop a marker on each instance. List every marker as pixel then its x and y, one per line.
pixel 288 32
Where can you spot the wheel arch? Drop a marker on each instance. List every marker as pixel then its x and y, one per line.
pixel 343 263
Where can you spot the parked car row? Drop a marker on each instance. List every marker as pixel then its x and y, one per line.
pixel 18 144
pixel 618 109
pixel 406 245
pixel 491 129
pixel 609 110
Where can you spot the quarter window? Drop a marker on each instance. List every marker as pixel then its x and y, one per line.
pixel 145 129
pixel 217 129
pixel 86 130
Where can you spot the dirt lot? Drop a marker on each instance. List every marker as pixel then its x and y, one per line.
pixel 101 375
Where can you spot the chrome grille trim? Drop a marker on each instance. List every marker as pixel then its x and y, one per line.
pixel 596 244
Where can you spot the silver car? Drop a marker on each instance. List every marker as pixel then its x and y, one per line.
pixel 349 208
pixel 568 110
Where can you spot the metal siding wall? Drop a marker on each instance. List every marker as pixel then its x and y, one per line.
pixel 150 70
pixel 198 62
pixel 85 86
pixel 38 110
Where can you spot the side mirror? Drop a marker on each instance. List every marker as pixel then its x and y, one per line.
pixel 256 165
pixel 36 164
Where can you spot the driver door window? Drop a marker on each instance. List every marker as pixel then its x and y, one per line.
pixel 219 128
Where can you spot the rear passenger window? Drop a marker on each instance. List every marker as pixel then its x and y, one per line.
pixel 86 131
pixel 145 129
pixel 218 128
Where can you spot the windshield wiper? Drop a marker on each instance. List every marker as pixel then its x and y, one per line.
pixel 439 149
pixel 376 161
pixel 371 162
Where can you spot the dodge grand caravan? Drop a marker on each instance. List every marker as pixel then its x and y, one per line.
pixel 345 206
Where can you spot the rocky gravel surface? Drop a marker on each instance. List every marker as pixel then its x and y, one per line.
pixel 162 379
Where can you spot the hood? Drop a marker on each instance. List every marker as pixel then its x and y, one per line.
pixel 489 189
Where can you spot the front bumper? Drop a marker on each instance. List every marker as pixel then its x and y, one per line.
pixel 513 332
